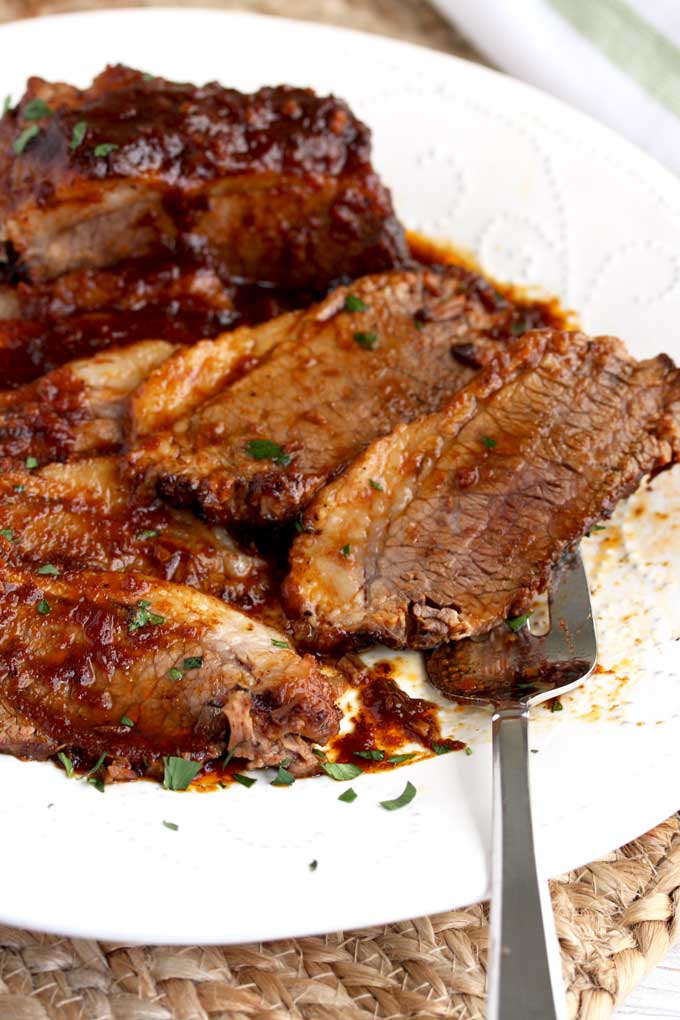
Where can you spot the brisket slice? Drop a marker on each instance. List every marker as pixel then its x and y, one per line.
pixel 341 378
pixel 450 525
pixel 77 409
pixel 82 516
pixel 276 186
pixel 80 653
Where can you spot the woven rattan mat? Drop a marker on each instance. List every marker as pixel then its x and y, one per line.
pixel 616 918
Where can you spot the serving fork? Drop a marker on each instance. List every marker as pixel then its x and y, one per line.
pixel 514 670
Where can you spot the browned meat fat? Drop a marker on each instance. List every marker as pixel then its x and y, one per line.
pixel 276 186
pixel 451 524
pixel 381 351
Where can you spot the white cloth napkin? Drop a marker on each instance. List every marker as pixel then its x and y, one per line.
pixel 618 60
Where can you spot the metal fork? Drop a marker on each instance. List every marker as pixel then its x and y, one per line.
pixel 513 672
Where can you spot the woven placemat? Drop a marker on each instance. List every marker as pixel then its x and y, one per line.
pixel 616 918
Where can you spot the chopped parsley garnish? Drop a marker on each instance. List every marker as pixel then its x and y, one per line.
pixel 319 753
pixel 26 136
pixel 556 706
pixel 420 325
pixel 349 796
pixel 193 662
pixel 125 720
pixel 35 109
pixel 48 570
pixel 67 763
pixel 19 488
pixel 341 771
pixel 468 750
pixel 404 798
pixel 230 754
pixel 78 134
pixel 175 673
pixel 97 765
pixel 171 825
pixel 179 772
pixel 6 104
pixel 246 781
pixel 97 783
pixel 298 524
pixel 105 148
pixel 280 644
pixel 313 865
pixel 441 749
pixel 595 527
pixel 266 449
pixel 148 77
pixel 397 759
pixel 148 533
pixel 488 442
pixel 8 534
pixel 369 341
pixel 31 463
pixel 283 777
pixel 345 550
pixel 516 623
pixel 355 304
pixel 375 485
pixel 44 608
pixel 371 755
pixel 518 327
pixel 141 617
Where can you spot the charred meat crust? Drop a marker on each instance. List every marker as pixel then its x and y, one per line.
pixel 273 186
pixel 477 502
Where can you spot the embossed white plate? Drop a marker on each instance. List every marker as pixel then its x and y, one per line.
pixel 543 196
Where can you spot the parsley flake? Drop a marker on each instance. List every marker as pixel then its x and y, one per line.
pixel 67 763
pixel 48 570
pixel 78 134
pixel 246 781
pixel 341 771
pixel 31 463
pixel 375 755
pixel 345 550
pixel 105 148
pixel 19 488
pixel 375 485
pixel 97 783
pixel 349 796
pixel 22 140
pixel 148 533
pixel 97 765
pixel 179 772
pixel 35 109
pixel 171 825
pixel 283 777
pixel 8 534
pixel 313 865
pixel 6 104
pixel 468 750
pixel 266 449
pixel 280 644
pixel 44 608
pixel 141 617
pixel 488 442
pixel 441 749
pixel 175 673
pixel 367 341
pixel 353 303
pixel 125 720
pixel 556 706
pixel 193 662
pixel 516 623
pixel 230 754
pixel 397 759
pixel 404 798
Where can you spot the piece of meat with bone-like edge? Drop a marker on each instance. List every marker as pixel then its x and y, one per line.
pixel 82 516
pixel 118 663
pixel 275 186
pixel 383 350
pixel 453 523
pixel 77 409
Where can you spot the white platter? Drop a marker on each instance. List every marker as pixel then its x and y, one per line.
pixel 543 196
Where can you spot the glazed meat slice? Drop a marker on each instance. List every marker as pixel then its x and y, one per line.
pixel 82 516
pixel 452 524
pixel 276 186
pixel 196 373
pixel 187 674
pixel 77 409
pixel 382 351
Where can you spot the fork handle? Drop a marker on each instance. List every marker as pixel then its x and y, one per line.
pixel 524 963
